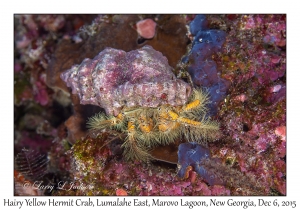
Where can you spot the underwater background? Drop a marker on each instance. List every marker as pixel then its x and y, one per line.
pixel 238 60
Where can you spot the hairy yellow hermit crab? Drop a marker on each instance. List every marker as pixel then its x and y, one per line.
pixel 147 127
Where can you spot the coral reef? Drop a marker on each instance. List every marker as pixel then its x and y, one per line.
pixel 116 79
pixel 98 162
pixel 239 60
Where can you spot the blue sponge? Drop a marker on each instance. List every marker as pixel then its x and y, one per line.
pixel 202 68
pixel 199 23
pixel 190 154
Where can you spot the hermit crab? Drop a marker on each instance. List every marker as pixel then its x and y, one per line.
pixel 142 98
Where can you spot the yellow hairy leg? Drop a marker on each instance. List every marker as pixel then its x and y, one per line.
pixel 188 121
pixel 194 104
pixel 201 131
pixel 173 115
pixel 132 149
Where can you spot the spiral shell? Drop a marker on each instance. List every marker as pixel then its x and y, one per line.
pixel 114 79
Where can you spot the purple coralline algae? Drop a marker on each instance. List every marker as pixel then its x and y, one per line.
pixel 202 68
pixel 254 113
pixel 114 79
